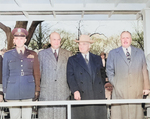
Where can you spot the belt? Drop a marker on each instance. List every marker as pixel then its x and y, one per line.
pixel 21 74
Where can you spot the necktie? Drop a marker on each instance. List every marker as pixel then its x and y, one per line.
pixel 86 60
pixel 128 55
pixel 21 54
pixel 55 54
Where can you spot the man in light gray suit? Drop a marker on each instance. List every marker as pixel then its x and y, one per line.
pixel 53 62
pixel 126 70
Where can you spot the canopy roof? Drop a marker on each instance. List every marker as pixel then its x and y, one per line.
pixel 56 10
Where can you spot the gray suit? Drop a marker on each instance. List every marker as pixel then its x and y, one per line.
pixel 129 80
pixel 53 82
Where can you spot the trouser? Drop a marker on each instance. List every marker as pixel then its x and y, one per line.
pixel 23 112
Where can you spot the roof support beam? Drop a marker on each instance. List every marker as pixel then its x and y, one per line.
pixel 82 14
pixel 117 2
pixel 51 2
pixel 26 14
pixel 110 14
pixel 54 14
pixel 18 3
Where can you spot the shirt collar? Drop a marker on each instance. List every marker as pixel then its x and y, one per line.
pixel 57 50
pixel 125 51
pixel 87 55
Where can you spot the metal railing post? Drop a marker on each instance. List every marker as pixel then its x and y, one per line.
pixel 68 111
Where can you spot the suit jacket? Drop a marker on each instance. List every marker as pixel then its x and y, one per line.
pixel 129 79
pixel 21 74
pixel 90 85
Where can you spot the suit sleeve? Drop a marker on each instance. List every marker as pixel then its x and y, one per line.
pixel 145 74
pixel 110 69
pixel 148 64
pixel 36 72
pixel 71 77
pixel 5 73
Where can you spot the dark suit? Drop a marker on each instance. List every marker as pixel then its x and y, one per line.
pixel 21 75
pixel 89 83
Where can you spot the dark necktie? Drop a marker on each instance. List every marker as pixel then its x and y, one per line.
pixel 55 54
pixel 21 54
pixel 86 60
pixel 128 55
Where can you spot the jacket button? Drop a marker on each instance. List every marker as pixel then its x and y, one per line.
pixel 100 91
pixel 55 80
pixel 99 82
pixel 21 60
pixel 82 91
pixel 81 73
pixel 81 82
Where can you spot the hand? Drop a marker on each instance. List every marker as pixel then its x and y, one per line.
pixel 77 95
pixel 1 98
pixel 108 86
pixel 146 92
pixel 36 96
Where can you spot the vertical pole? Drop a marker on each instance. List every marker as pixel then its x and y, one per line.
pixel 146 24
pixel 68 111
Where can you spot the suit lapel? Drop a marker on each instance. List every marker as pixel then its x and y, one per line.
pixel 26 53
pixel 121 52
pixel 80 60
pixel 133 53
pixel 60 57
pixel 51 56
pixel 15 53
pixel 93 65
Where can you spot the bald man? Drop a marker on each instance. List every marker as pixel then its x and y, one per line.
pixel 53 62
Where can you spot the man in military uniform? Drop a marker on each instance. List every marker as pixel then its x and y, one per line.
pixel 21 75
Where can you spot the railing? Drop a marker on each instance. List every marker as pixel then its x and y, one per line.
pixel 69 103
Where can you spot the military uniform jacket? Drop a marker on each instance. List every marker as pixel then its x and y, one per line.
pixel 21 75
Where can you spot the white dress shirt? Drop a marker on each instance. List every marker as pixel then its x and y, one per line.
pixel 57 50
pixel 87 56
pixel 125 51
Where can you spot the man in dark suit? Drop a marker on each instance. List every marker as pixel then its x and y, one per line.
pixel 85 82
pixel 21 75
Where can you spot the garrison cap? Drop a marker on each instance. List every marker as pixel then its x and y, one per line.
pixel 19 32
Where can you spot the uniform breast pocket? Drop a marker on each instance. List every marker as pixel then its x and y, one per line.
pixel 30 63
pixel 12 64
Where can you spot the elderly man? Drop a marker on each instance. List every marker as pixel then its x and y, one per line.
pixel 85 82
pixel 21 75
pixel 126 70
pixel 53 63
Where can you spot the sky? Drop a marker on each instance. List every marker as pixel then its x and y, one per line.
pixel 108 28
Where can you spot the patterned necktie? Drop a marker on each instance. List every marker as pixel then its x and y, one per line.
pixel 86 60
pixel 128 55
pixel 55 54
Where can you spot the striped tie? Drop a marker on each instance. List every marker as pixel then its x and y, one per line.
pixel 128 55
